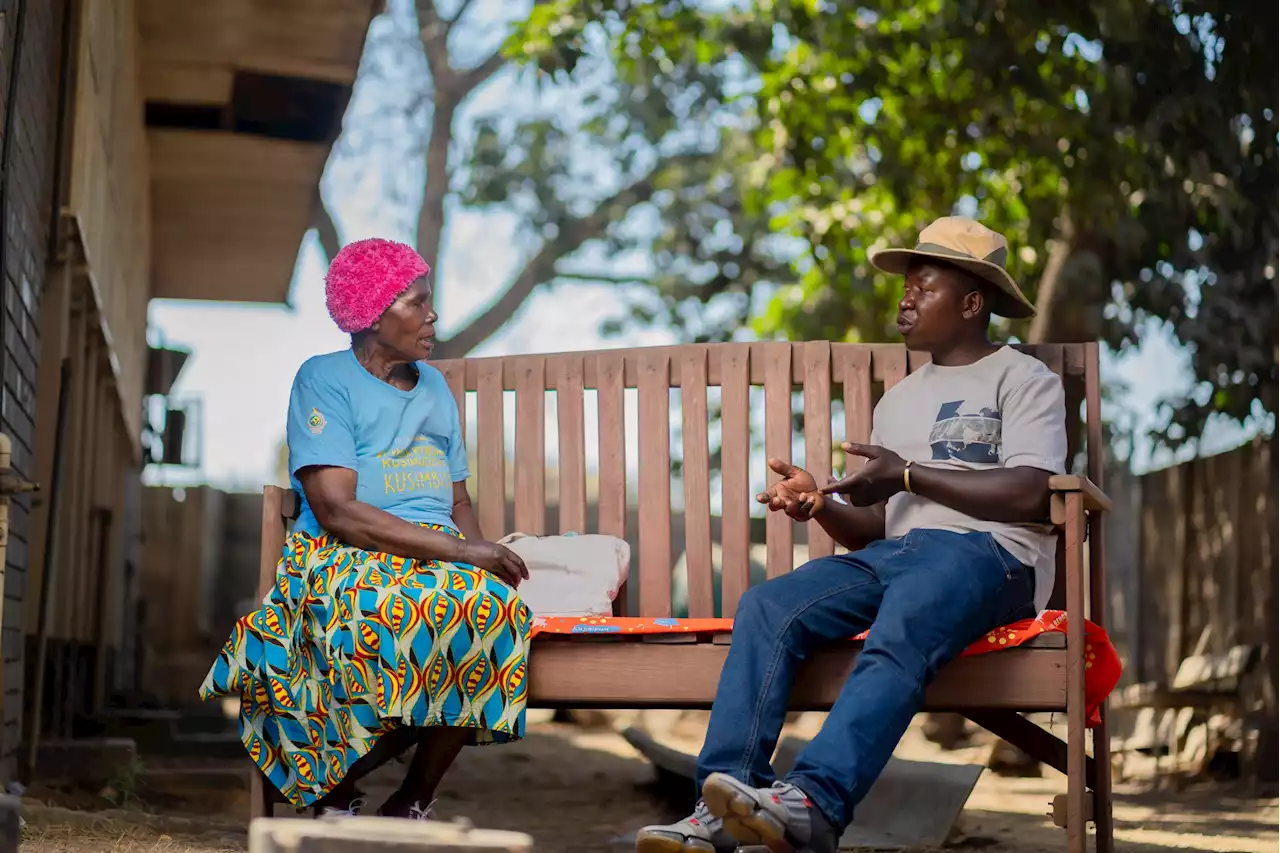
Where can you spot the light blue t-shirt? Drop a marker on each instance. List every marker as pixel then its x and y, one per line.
pixel 406 447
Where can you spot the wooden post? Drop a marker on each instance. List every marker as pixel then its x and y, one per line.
pixel 1269 747
pixel 269 550
pixel 1100 777
pixel 1076 793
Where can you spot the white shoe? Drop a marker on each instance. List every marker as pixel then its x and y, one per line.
pixel 350 811
pixel 417 812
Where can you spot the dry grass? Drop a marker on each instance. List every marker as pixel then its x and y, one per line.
pixel 51 829
pixel 117 838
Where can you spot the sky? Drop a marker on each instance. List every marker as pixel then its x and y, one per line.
pixel 244 356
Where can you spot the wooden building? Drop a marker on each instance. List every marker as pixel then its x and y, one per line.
pixel 148 148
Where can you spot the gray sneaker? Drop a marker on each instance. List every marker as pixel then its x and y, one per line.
pixel 782 817
pixel 700 832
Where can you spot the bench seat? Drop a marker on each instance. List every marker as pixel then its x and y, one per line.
pixel 1019 666
pixel 583 671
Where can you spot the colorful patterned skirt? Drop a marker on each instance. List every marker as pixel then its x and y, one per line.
pixel 350 644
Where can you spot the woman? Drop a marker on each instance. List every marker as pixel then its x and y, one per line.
pixel 392 621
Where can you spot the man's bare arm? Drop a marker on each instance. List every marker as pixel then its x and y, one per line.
pixel 1019 494
pixel 1016 495
pixel 853 527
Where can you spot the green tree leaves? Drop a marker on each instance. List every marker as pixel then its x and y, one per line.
pixel 1126 149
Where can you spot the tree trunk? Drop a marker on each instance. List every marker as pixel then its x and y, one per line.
pixel 1049 292
pixel 330 243
pixel 431 216
pixel 1072 291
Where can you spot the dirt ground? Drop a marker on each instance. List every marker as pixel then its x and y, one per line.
pixel 577 790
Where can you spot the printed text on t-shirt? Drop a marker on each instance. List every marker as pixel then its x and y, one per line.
pixel 427 467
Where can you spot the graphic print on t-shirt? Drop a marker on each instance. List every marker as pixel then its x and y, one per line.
pixel 966 437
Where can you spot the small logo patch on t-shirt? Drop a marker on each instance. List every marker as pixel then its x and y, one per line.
pixel 316 422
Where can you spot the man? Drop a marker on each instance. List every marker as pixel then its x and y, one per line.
pixel 946 527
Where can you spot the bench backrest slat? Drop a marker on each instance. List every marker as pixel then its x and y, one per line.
pixel 779 530
pixel 611 501
pixel 455 374
pixel 653 384
pixel 895 367
pixel 735 476
pixel 572 456
pixel 695 470
pixel 817 442
pixel 531 446
pixel 853 366
pixel 754 388
pixel 1097 576
pixel 491 467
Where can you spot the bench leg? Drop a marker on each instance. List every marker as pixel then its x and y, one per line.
pixel 1100 781
pixel 1048 749
pixel 1027 736
pixel 1077 817
pixel 261 801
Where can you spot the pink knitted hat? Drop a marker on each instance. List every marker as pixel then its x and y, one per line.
pixel 366 277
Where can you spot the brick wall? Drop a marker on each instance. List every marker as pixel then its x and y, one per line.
pixel 25 231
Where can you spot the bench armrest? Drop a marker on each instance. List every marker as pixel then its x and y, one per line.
pixel 1095 500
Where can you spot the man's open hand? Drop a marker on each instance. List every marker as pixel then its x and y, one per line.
pixel 797 494
pixel 880 479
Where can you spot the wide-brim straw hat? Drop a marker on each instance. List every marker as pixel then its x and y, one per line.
pixel 970 245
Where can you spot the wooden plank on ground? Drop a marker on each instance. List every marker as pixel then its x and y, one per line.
pixel 894 815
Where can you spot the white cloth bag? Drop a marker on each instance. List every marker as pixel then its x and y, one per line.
pixel 573 574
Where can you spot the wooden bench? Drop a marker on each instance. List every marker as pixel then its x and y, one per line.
pixel 1177 718
pixel 749 383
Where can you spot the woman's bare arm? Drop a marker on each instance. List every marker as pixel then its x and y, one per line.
pixel 331 492
pixel 464 515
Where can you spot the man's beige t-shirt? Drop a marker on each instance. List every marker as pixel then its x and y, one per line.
pixel 1006 410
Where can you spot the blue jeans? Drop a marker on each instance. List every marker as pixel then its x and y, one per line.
pixel 929 594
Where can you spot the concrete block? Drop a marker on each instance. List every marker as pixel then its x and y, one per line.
pixel 134 716
pixel 214 778
pixel 92 761
pixel 379 835
pixel 10 824
pixel 150 736
pixel 207 745
pixel 208 718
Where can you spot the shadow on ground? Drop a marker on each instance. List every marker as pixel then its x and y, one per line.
pixel 585 791
pixel 572 790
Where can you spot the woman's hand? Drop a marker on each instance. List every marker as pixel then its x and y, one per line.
pixel 495 558
pixel 796 494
